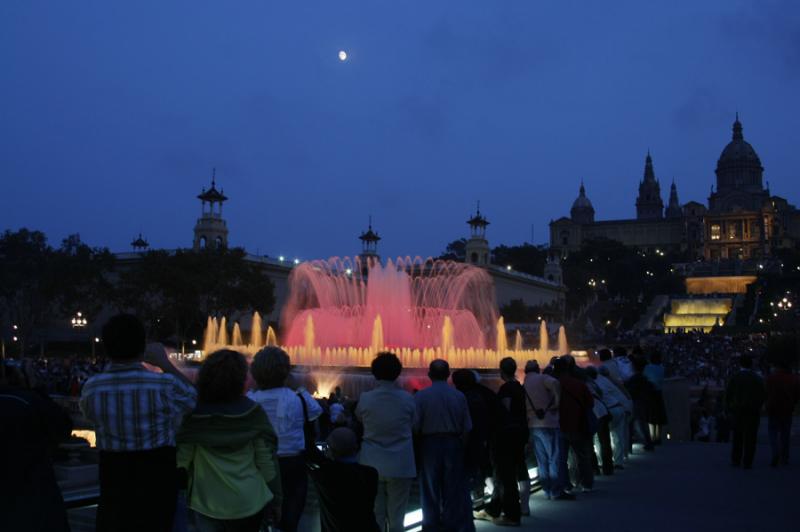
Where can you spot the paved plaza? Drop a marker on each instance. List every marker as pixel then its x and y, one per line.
pixel 682 486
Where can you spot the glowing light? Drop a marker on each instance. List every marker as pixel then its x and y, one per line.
pixel 88 435
pixel 96 340
pixel 297 261
pixel 281 258
pixel 342 55
pixel 508 267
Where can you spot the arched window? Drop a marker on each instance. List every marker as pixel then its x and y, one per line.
pixel 202 242
pixel 473 257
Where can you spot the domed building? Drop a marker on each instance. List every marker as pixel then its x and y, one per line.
pixel 742 220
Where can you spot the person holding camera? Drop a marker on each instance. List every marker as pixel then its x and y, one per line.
pixel 136 414
pixel 543 393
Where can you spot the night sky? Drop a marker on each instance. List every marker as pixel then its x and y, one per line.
pixel 113 113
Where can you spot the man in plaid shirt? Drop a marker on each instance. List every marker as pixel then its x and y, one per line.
pixel 136 413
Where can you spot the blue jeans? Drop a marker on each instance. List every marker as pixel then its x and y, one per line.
pixel 547 451
pixel 446 504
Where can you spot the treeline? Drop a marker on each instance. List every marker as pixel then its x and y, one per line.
pixel 173 292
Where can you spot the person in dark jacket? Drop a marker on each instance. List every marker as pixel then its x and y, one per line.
pixel 346 489
pixel 744 397
pixel 31 427
pixel 783 393
pixel 508 449
pixel 574 408
pixel 643 394
pixel 476 451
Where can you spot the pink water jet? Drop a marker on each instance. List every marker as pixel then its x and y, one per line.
pixel 413 298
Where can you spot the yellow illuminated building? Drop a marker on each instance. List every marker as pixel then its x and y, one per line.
pixel 729 284
pixel 696 314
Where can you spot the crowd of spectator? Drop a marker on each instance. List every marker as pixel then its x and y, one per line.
pixel 235 447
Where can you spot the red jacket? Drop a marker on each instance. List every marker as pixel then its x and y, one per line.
pixel 576 401
pixel 783 393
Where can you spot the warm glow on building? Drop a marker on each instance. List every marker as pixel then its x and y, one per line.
pixel 732 284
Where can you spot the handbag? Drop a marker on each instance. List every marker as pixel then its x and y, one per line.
pixel 313 454
pixel 538 411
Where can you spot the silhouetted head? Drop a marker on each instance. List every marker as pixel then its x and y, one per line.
pixel 508 367
pixel 655 357
pixel 605 354
pixel 531 366
pixel 620 351
pixel 464 379
pixel 560 367
pixel 221 377
pixel 124 337
pixel 746 362
pixel 386 367
pixel 342 443
pixel 591 372
pixel 270 367
pixel 439 370
pixel 639 363
pixel 570 360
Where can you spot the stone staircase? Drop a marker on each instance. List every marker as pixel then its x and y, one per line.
pixel 655 308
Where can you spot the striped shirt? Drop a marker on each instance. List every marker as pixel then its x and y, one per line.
pixel 134 409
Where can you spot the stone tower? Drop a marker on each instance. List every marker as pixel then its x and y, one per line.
pixel 369 246
pixel 552 270
pixel 649 205
pixel 477 247
pixel 582 211
pixel 211 231
pixel 674 206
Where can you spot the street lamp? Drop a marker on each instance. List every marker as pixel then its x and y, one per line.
pixel 79 321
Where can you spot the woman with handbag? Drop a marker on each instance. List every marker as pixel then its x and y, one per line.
pixel 291 414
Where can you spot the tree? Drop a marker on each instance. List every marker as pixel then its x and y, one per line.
pixel 39 283
pixel 174 293
pixel 525 258
pixel 455 250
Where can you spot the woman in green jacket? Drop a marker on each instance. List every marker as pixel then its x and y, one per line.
pixel 227 447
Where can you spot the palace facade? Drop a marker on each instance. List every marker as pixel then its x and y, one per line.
pixel 742 219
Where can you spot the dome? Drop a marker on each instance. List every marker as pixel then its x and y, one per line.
pixel 738 150
pixel 582 210
pixel 738 165
pixel 582 202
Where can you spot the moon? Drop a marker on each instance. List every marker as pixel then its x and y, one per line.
pixel 342 55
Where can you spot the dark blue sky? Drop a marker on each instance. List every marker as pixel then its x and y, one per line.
pixel 113 114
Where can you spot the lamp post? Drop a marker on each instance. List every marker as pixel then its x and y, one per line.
pixel 79 321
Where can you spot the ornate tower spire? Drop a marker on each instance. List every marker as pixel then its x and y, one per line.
pixel 674 207
pixel 211 231
pixel 369 246
pixel 649 205
pixel 477 248
pixel 737 128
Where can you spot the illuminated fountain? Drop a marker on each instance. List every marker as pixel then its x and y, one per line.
pixel 342 312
